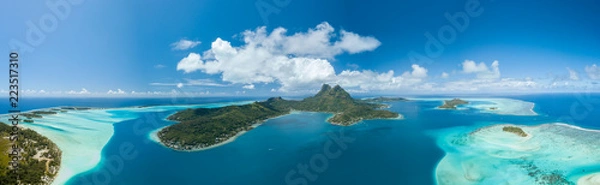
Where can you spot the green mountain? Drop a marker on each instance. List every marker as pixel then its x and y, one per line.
pixel 203 127
pixel 328 99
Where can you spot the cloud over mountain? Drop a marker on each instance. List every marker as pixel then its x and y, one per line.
pixel 297 61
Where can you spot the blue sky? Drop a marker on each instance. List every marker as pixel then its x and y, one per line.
pixel 228 47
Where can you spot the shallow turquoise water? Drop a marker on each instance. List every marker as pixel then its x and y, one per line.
pixel 376 151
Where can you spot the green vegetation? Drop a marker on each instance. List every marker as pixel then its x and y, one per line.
pixel 28 121
pixel 30 115
pixel 37 114
pixel 203 127
pixel 43 112
pixel 515 130
pixel 75 108
pixel 384 99
pixel 451 104
pixel 40 158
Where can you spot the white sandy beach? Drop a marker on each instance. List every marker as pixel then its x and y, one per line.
pixel 591 179
pixel 154 137
pixel 82 134
pixel 475 158
pixel 502 106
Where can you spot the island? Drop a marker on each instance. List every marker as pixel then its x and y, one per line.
pixel 204 127
pixel 451 104
pixel 384 99
pixel 37 114
pixel 550 153
pixel 515 130
pixel 76 108
pixel 41 158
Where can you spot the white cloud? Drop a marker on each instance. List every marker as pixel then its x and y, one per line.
pixel 504 84
pixel 249 86
pixel 190 63
pixel 298 61
pixel 354 43
pixel 159 66
pixel 180 85
pixel 30 92
pixel 470 66
pixel 418 72
pixel 184 44
pixel 444 75
pixel 191 82
pixel 83 91
pixel 573 75
pixel 481 70
pixel 118 91
pixel 593 72
pixel 315 43
pixel 370 80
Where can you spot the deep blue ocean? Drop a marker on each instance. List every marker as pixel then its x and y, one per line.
pixel 302 148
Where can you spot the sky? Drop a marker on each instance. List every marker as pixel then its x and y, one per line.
pixel 290 47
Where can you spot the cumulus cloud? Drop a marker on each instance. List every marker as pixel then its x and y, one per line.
pixel 190 63
pixel 417 72
pixel 118 91
pixel 504 84
pixel 573 75
pixel 249 86
pixel 354 43
pixel 593 72
pixel 444 75
pixel 184 44
pixel 191 82
pixel 371 80
pixel 83 91
pixel 481 70
pixel 300 60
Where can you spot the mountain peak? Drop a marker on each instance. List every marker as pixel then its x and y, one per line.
pixel 336 91
pixel 324 89
pixel 338 88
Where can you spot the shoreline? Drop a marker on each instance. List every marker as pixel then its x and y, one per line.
pixel 68 130
pixel 587 178
pixel 93 126
pixel 124 108
pixel 499 103
pixel 153 135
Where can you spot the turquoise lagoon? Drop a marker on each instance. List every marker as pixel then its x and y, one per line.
pixel 428 146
